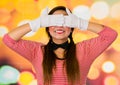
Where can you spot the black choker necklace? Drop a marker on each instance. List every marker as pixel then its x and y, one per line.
pixel 54 46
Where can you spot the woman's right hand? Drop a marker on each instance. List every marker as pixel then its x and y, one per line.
pixel 46 20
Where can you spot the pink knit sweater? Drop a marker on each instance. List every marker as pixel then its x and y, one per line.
pixel 87 51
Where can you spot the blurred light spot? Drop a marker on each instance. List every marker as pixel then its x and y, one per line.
pixel 24 22
pixel 8 75
pixel 108 66
pixel 100 10
pixel 3 30
pixel 34 82
pixel 44 4
pixel 115 11
pixel 79 37
pixel 93 73
pixel 4 16
pixel 26 77
pixel 27 7
pixel 111 80
pixel 82 12
pixel 63 2
pixel 52 3
pixel 8 4
pixel 111 2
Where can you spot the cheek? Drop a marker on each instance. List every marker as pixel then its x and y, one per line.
pixel 68 30
pixel 51 29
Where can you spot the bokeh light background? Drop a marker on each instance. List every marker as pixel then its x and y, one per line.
pixel 15 70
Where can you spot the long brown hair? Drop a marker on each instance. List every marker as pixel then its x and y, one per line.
pixel 71 63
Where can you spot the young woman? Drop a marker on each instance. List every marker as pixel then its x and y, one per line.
pixel 60 61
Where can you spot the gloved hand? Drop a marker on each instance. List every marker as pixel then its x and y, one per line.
pixel 46 20
pixel 73 21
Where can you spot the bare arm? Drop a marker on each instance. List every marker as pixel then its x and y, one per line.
pixel 94 27
pixel 19 32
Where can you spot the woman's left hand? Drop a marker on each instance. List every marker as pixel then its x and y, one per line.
pixel 73 21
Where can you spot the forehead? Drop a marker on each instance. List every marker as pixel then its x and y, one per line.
pixel 60 12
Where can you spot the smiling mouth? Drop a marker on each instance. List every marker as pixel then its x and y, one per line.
pixel 59 31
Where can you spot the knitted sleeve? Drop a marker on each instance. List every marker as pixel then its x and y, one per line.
pixel 25 48
pixel 95 46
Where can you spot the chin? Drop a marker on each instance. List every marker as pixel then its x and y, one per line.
pixel 61 38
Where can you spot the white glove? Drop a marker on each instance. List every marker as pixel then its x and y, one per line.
pixel 46 20
pixel 73 21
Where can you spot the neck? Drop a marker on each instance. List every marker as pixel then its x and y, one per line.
pixel 59 41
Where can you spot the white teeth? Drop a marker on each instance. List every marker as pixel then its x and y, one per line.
pixel 59 31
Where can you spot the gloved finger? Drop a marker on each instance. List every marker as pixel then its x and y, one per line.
pixel 59 20
pixel 45 11
pixel 59 23
pixel 68 11
pixel 67 21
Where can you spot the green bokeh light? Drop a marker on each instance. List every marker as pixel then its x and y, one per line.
pixel 8 75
